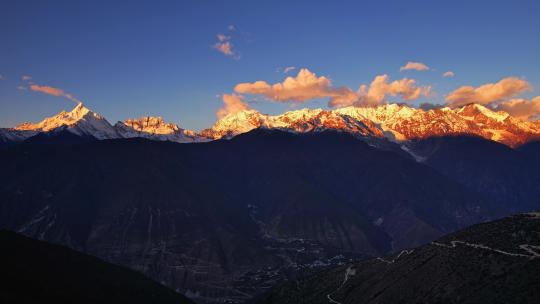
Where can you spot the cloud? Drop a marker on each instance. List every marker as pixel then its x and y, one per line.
pixel 2 77
pixel 22 88
pixel 225 46
pixel 26 78
pixel 288 69
pixel 488 93
pixel 380 87
pixel 411 65
pixel 53 91
pixel 521 108
pixel 405 88
pixel 448 74
pixel 307 85
pixel 231 28
pixel 232 103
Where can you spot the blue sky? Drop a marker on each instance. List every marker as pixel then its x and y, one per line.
pixel 133 58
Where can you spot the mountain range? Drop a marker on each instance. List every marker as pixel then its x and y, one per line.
pixel 227 219
pixel 393 122
pixel 259 199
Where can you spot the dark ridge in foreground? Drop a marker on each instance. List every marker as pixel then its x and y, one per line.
pixel 226 220
pixel 496 262
pixel 37 272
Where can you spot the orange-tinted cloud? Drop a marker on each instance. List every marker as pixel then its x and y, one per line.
pixel 380 87
pixel 224 45
pixel 53 91
pixel 307 85
pixel 521 108
pixel 417 66
pixel 232 103
pixel 488 93
pixel 448 74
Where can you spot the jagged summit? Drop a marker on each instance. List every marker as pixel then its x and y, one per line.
pixel 154 128
pixel 397 122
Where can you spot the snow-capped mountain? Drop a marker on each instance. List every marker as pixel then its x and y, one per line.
pixel 406 123
pixel 393 121
pixel 155 128
pixel 80 121
pixel 301 121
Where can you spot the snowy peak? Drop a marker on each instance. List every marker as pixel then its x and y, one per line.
pixel 149 124
pixel 300 121
pixel 234 124
pixel 80 121
pixel 476 112
pixel 154 128
pixel 61 119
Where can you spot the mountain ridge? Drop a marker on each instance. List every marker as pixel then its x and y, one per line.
pixel 396 123
pixel 494 262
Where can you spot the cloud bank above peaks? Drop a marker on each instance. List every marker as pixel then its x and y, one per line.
pixel 381 87
pixel 488 93
pixel 499 96
pixel 306 85
pixel 521 108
